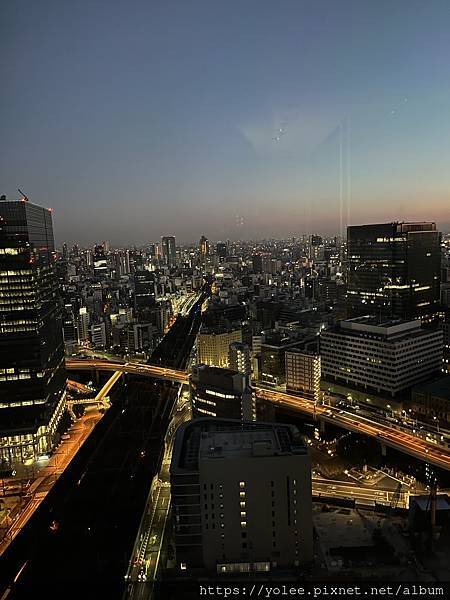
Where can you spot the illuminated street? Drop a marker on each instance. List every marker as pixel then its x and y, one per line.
pixel 46 475
pixel 143 569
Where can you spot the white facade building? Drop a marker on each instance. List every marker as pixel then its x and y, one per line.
pixel 240 358
pixel 303 373
pixel 385 358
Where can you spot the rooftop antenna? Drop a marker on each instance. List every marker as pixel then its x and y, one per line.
pixel 25 197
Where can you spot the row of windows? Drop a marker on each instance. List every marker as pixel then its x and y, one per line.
pixel 372 365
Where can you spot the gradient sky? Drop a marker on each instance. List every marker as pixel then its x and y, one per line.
pixel 141 118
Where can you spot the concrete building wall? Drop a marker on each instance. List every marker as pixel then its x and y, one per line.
pixel 213 348
pixel 271 495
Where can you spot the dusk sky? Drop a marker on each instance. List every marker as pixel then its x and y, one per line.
pixel 233 119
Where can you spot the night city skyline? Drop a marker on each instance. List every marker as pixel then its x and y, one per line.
pixel 136 122
pixel 225 299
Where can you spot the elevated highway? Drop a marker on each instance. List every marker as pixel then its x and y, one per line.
pixel 394 437
pixel 133 368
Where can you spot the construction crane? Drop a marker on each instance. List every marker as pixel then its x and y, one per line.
pixel 25 197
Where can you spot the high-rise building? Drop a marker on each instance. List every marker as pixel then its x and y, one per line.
pixel 383 358
pixel 98 335
pixel 144 291
pixel 316 240
pixel 446 333
pixel 241 497
pixel 139 337
pixel 303 373
pixel 169 250
pixel 222 393
pixel 257 263
pixel 100 261
pixel 204 247
pixel 393 270
pixel 221 250
pixel 163 314
pixel 240 358
pixel 69 326
pixel 213 345
pixel 83 324
pixel 32 373
pixel 122 263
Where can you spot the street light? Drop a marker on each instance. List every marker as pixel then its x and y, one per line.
pixel 437 424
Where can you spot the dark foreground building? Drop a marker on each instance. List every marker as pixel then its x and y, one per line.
pixel 32 374
pixel 394 270
pixel 241 497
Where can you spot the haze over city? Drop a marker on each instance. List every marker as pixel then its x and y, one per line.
pixel 238 120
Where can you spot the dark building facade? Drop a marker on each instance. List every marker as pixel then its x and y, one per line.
pixel 144 292
pixel 100 262
pixel 221 250
pixel 393 270
pixel 203 246
pixel 217 392
pixel 32 373
pixel 241 497
pixel 169 250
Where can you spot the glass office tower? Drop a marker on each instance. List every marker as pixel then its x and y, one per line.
pixel 32 373
pixel 169 250
pixel 394 270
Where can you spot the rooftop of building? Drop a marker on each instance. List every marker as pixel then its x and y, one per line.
pixel 219 329
pixel 240 346
pixel 219 379
pixel 230 439
pixel 239 444
pixel 301 351
pixel 381 322
pixel 371 326
pixel 208 371
pixel 282 339
pixel 24 201
pixel 439 387
pixel 399 225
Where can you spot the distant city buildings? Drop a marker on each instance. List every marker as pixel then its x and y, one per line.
pixel 100 262
pixel 203 247
pixel 144 292
pixel 32 374
pixel 241 497
pixel 169 250
pixel 394 270
pixel 221 251
pixel 385 357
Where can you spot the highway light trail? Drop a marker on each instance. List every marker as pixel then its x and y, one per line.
pixel 435 454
